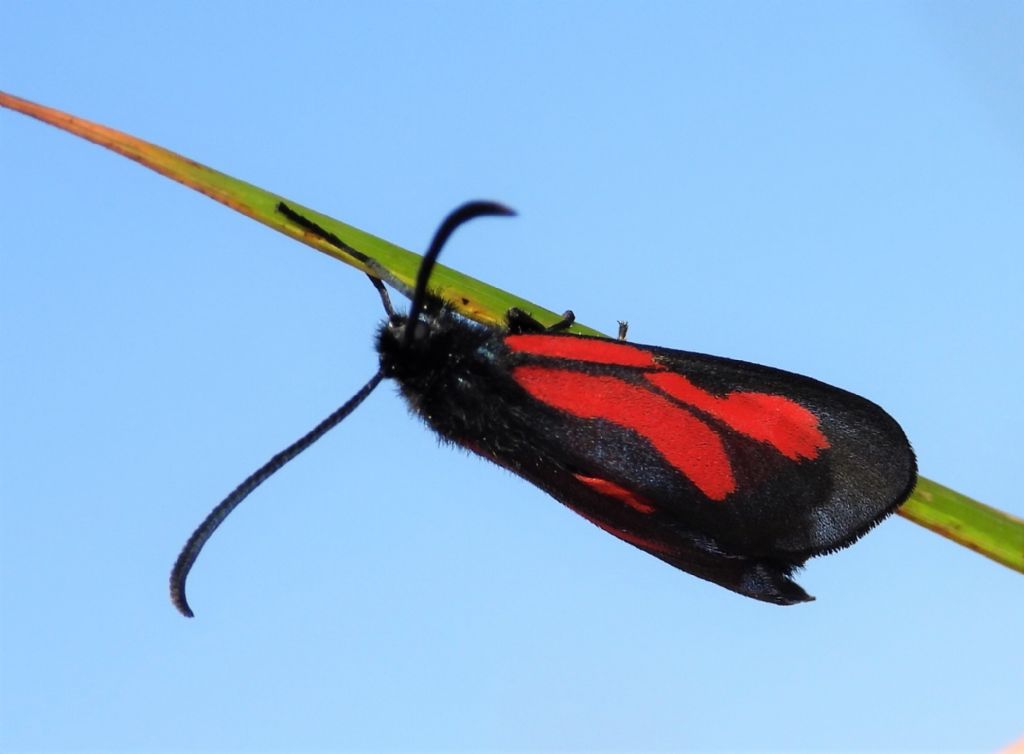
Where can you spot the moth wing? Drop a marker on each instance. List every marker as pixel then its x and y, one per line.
pixel 765 463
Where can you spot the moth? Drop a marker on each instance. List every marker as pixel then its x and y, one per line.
pixel 734 472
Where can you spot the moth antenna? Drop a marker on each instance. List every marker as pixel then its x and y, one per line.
pixel 202 534
pixel 457 217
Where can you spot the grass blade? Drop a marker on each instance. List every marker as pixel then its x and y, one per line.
pixel 986 530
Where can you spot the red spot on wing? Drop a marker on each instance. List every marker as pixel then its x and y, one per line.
pixel 650 545
pixel 611 489
pixel 594 350
pixel 774 419
pixel 686 442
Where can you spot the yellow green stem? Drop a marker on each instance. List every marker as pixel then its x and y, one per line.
pixel 991 532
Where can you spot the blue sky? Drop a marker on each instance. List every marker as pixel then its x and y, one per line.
pixel 834 189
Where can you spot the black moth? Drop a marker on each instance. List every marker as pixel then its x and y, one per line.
pixel 734 472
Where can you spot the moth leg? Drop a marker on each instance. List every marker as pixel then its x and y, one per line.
pixel 519 322
pixel 384 297
pixel 374 268
pixel 623 328
pixel 522 323
pixel 564 323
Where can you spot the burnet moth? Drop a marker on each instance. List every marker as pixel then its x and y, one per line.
pixel 734 472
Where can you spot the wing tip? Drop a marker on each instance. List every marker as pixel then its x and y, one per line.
pixel 772 583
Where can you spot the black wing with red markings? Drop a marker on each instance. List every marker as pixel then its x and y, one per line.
pixel 732 470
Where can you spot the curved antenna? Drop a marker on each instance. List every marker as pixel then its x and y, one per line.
pixel 202 534
pixel 458 216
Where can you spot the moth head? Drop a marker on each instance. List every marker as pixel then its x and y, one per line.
pixel 407 347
